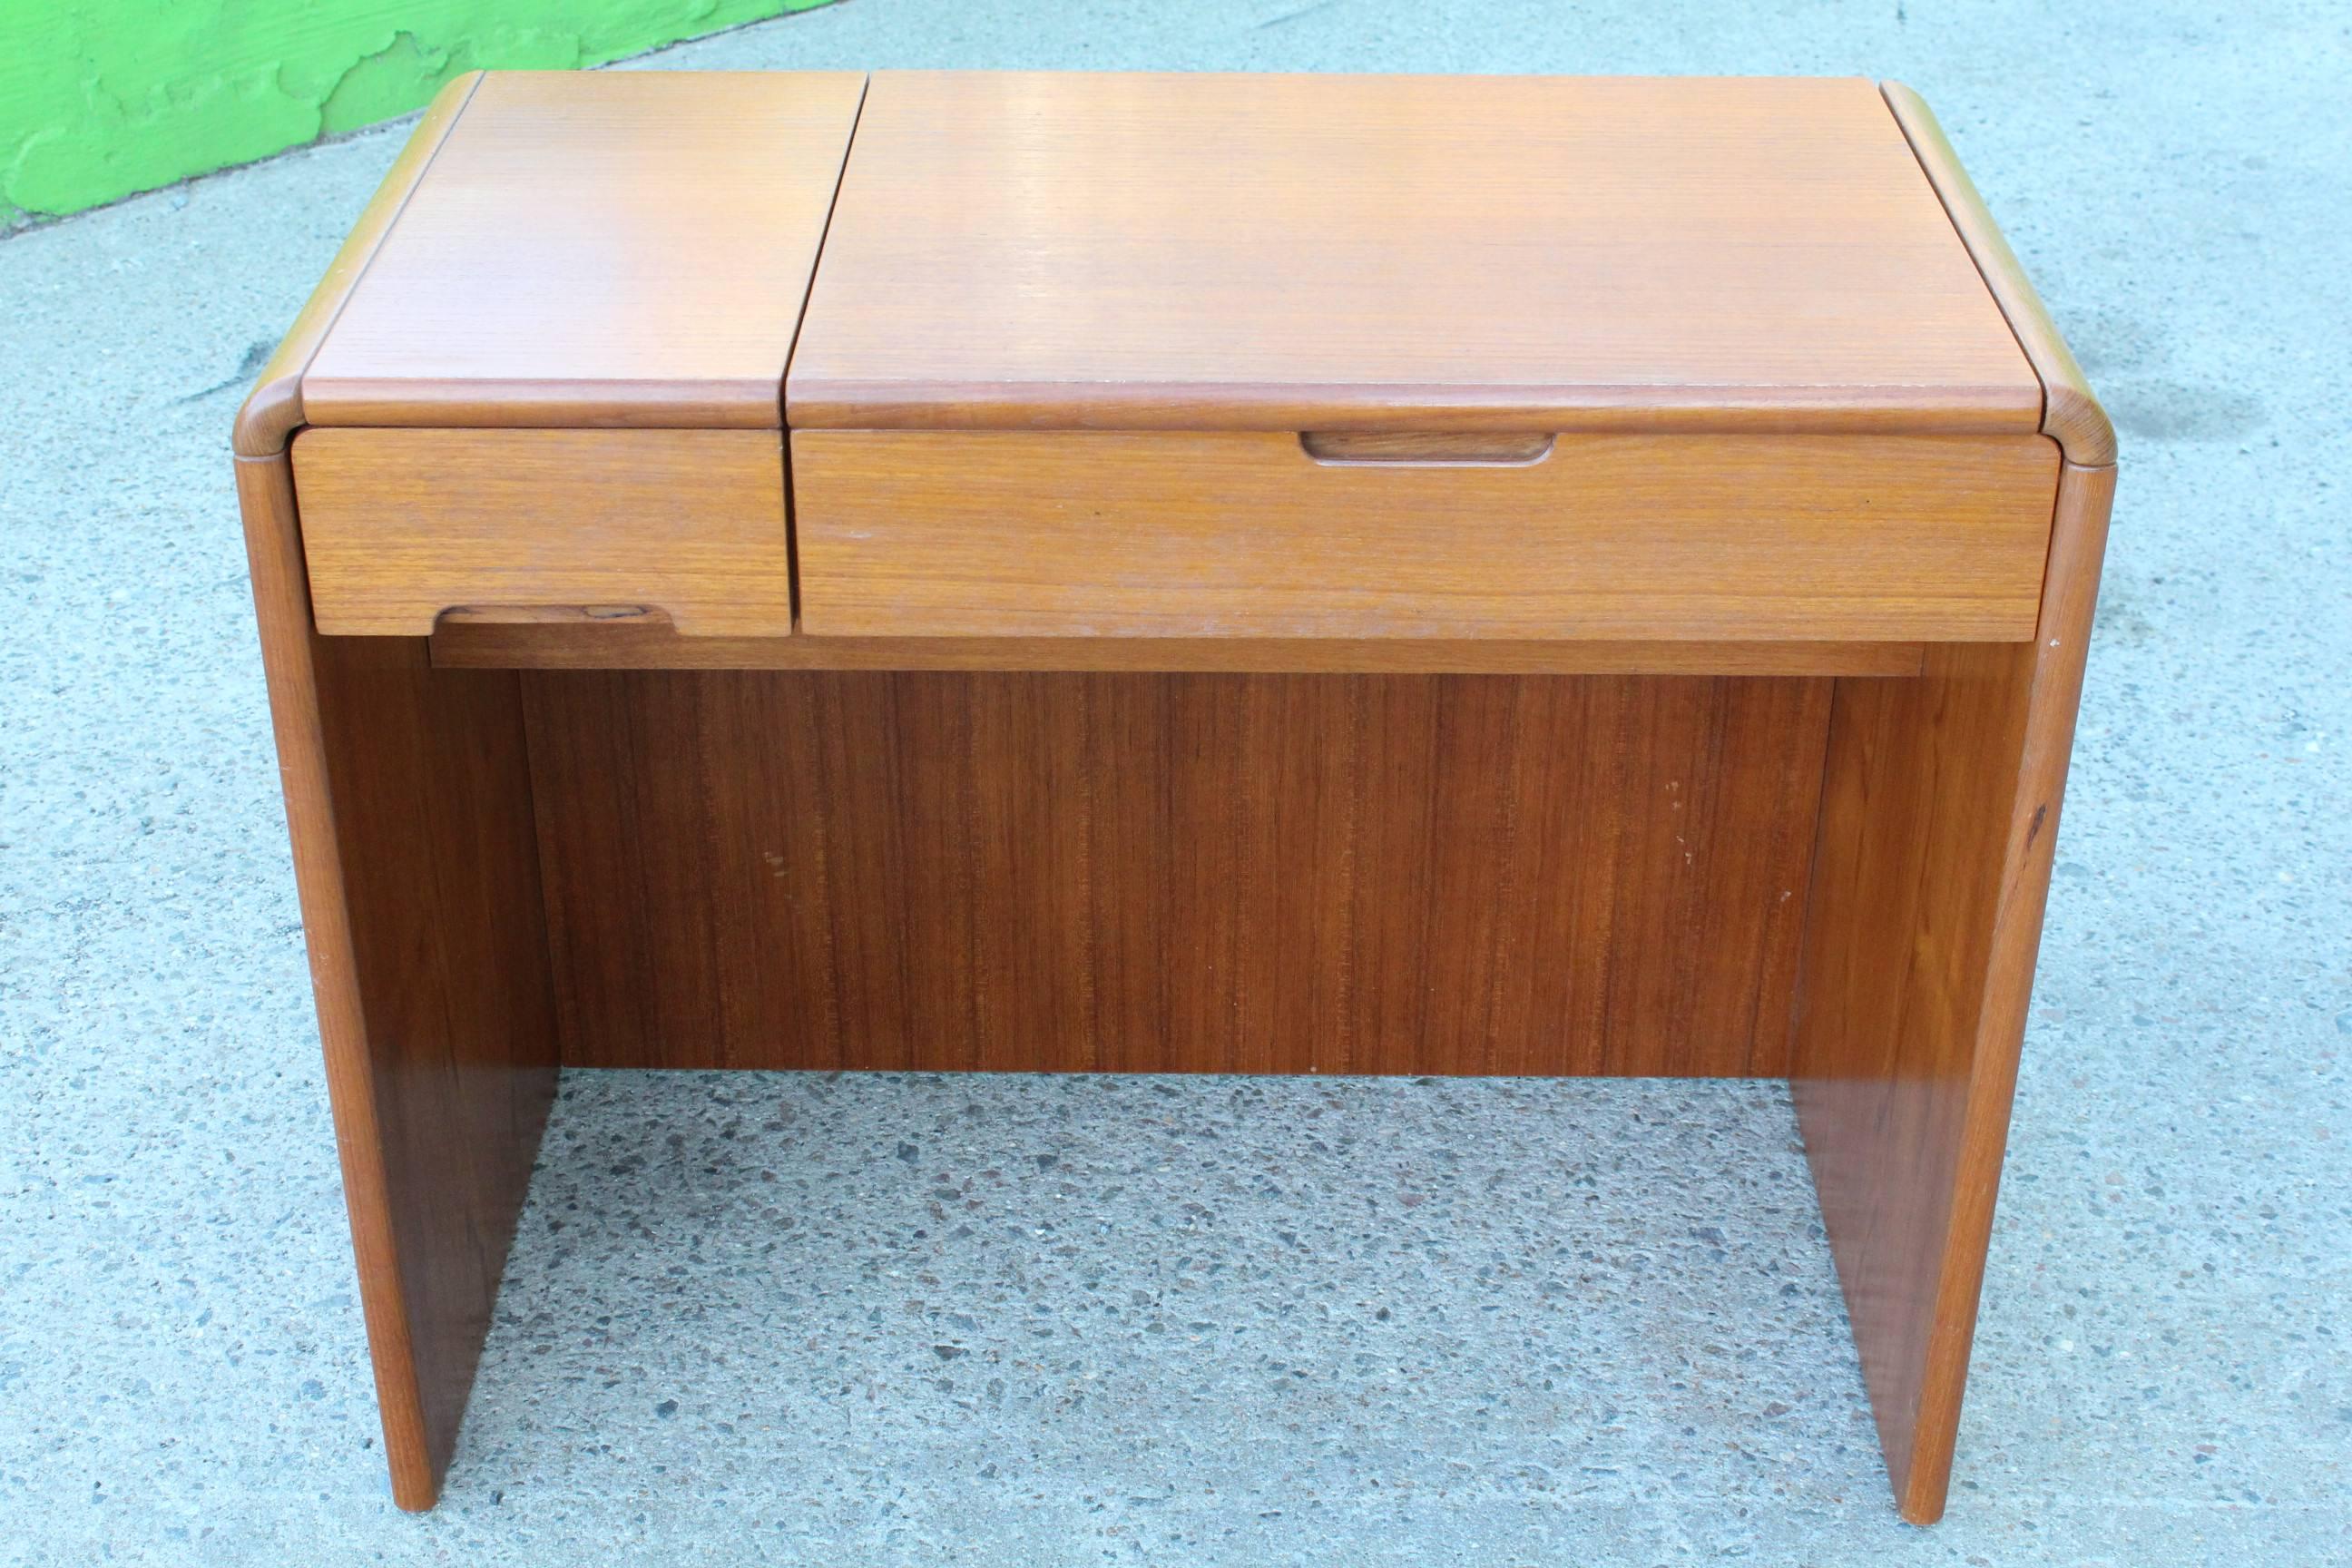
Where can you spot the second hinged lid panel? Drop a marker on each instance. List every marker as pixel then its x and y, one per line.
pixel 1148 355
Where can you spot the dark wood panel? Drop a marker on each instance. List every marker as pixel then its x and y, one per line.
pixel 1176 872
pixel 408 799
pixel 431 795
pixel 1939 817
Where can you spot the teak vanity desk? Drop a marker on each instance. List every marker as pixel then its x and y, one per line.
pixel 1149 573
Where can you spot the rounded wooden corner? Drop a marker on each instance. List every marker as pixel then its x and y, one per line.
pixel 272 412
pixel 2071 414
pixel 2074 418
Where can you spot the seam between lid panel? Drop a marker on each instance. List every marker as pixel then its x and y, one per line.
pixel 783 377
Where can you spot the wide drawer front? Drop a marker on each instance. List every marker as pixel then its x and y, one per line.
pixel 399 525
pixel 1089 533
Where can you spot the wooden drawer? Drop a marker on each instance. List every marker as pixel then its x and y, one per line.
pixel 1247 534
pixel 399 525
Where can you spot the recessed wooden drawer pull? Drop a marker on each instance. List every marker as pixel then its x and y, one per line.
pixel 551 615
pixel 1486 448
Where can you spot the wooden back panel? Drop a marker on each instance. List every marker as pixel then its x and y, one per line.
pixel 1132 872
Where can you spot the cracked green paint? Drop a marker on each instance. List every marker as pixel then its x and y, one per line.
pixel 102 98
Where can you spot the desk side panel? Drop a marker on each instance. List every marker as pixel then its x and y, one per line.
pixel 408 800
pixel 1939 818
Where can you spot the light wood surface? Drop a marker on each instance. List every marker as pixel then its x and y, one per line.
pixel 501 640
pixel 1096 534
pixel 1357 253
pixel 408 801
pixel 2070 413
pixel 1184 873
pixel 624 247
pixel 273 410
pixel 399 525
pixel 1940 819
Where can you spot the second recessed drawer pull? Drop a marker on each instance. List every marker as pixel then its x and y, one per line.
pixel 1486 448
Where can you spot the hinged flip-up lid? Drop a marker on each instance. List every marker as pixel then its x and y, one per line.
pixel 1027 251
pixel 621 248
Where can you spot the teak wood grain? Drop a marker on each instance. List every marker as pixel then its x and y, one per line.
pixel 626 247
pixel 1103 534
pixel 1177 873
pixel 1357 253
pixel 1745 759
pixel 1939 821
pixel 408 801
pixel 399 525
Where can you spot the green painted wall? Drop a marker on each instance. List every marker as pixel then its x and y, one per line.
pixel 99 99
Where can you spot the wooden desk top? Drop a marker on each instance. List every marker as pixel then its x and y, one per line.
pixel 1368 253
pixel 617 248
pixel 1040 251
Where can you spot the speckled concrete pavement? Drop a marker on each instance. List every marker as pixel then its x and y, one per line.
pixel 1006 1321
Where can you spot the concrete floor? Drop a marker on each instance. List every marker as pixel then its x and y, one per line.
pixel 1227 1320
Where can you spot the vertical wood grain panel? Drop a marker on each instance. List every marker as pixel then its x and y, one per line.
pixel 431 796
pixel 1158 760
pixel 1938 821
pixel 1132 872
pixel 856 744
pixel 1032 784
pixel 408 801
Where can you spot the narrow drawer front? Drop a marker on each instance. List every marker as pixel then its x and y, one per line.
pixel 399 525
pixel 1678 536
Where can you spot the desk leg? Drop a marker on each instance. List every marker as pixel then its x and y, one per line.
pixel 1939 813
pixel 408 799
